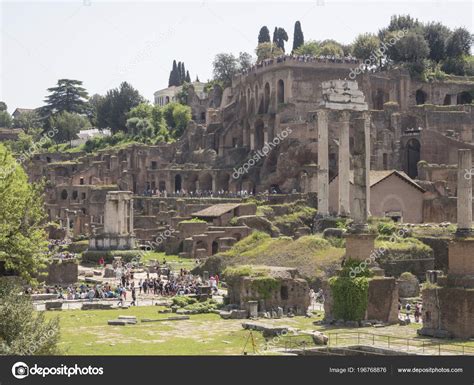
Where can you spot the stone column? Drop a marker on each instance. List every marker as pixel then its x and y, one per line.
pixel 344 165
pixel 361 177
pixel 131 216
pixel 366 118
pixel 265 135
pixel 252 139
pixel 323 163
pixel 464 202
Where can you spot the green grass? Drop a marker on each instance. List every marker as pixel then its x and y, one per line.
pixel 87 333
pixel 175 260
pixel 311 254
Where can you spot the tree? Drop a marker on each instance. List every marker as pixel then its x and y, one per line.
pixel 23 330
pixel 23 241
pixel 174 75
pixel 459 43
pixel 225 66
pixel 332 49
pixel 264 35
pixel 298 38
pixel 245 60
pixel 267 51
pixel 3 106
pixel 27 121
pixel 68 95
pixel 113 109
pixel 436 35
pixel 311 48
pixel 365 47
pixel 279 38
pixel 400 22
pixel 5 119
pixel 176 118
pixel 68 126
pixel 412 48
pixel 188 78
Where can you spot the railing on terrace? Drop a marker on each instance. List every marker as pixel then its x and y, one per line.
pixel 383 341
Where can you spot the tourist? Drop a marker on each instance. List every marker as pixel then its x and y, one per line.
pixel 417 312
pixel 134 296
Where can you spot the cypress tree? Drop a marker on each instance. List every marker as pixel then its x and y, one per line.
pixel 264 35
pixel 188 78
pixel 298 38
pixel 182 74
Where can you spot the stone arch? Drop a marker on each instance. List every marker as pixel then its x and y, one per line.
pixel 205 182
pixel 280 91
pixel 266 98
pixel 167 100
pixel 413 157
pixel 64 195
pixel 447 100
pixel 178 182
pixel 464 98
pixel 420 97
pixel 392 202
pixel 259 134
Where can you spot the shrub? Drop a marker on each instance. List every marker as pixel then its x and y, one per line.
pixel 386 228
pixel 350 296
pixel 202 307
pixel 183 301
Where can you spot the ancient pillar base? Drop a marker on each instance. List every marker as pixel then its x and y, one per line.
pixel 460 257
pixel 464 233
pixel 359 246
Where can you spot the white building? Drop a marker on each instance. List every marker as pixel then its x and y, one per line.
pixel 168 95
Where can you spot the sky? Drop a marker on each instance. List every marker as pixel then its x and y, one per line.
pixel 104 43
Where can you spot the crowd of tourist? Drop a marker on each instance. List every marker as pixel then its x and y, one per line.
pixel 243 193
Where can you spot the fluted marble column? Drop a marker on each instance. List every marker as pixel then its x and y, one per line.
pixel 344 165
pixel 323 163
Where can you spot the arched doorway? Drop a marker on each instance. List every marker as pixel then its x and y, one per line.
pixel 266 98
pixel 259 135
pixel 281 91
pixel 420 97
pixel 464 98
pixel 413 157
pixel 177 182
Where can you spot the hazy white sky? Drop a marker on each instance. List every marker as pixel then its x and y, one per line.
pixel 104 42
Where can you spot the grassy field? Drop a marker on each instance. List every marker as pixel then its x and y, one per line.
pixel 176 261
pixel 87 333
